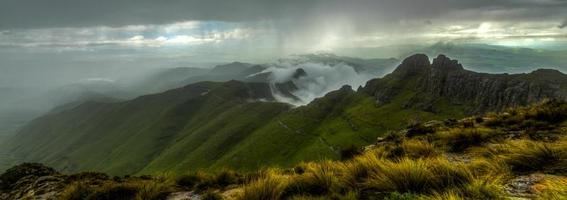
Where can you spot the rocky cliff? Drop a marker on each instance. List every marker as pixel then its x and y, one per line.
pixel 446 79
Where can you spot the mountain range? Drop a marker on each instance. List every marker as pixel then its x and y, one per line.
pixel 239 124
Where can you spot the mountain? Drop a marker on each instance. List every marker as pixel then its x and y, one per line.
pixel 87 90
pixel 446 80
pixel 20 105
pixel 498 58
pixel 123 136
pixel 238 125
pixel 171 78
pixel 165 79
pixel 321 73
pixel 231 71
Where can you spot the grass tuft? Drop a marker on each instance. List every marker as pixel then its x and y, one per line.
pixel 528 156
pixel 552 188
pixel 271 186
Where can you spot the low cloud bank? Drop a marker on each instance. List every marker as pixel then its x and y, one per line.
pixel 318 79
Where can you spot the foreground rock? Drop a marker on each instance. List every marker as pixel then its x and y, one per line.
pixel 31 181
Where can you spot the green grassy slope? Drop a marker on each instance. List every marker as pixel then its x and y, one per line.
pixel 480 157
pixel 216 125
pixel 323 128
pixel 124 137
pixel 208 125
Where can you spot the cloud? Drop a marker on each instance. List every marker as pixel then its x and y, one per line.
pixel 182 33
pixel 16 14
pixel 563 24
pixel 269 28
pixel 321 79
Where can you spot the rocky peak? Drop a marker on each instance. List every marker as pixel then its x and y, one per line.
pixel 549 74
pixel 445 64
pixel 299 72
pixel 479 92
pixel 413 65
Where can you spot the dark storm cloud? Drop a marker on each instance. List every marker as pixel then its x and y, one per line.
pixel 563 24
pixel 82 13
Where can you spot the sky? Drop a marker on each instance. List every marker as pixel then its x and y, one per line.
pixel 46 42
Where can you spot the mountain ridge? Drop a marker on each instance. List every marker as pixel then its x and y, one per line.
pixel 446 78
pixel 236 124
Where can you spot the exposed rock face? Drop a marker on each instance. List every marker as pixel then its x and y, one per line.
pixel 30 181
pixel 32 187
pixel 413 65
pixel 480 92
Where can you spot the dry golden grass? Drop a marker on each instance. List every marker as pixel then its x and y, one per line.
pixel 270 186
pixel 552 188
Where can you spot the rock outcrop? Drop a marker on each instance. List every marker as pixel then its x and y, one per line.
pixel 478 92
pixel 30 181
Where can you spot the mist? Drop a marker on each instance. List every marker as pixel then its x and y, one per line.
pixel 318 80
pixel 58 52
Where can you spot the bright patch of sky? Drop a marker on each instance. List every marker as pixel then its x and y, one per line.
pixel 325 37
pixel 184 33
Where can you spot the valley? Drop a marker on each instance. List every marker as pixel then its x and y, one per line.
pixel 211 125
